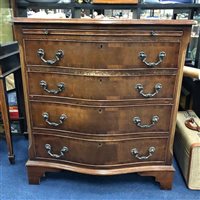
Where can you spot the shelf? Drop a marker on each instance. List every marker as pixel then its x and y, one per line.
pixel 169 6
pixel 192 9
pixel 24 4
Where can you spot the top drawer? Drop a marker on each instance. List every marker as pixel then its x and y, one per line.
pixel 102 52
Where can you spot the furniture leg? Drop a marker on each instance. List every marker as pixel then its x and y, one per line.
pixel 37 172
pixel 6 120
pixel 165 178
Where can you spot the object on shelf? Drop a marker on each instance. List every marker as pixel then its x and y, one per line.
pixel 10 82
pixel 64 1
pixel 83 1
pixel 13 108
pixel 116 1
pixel 150 1
pixel 195 30
pixel 176 1
pixel 14 113
pixel 12 98
pixel 58 13
pixel 15 127
pixel 43 1
pixel 157 14
pixel 113 14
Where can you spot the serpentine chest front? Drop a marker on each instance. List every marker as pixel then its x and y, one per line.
pixel 102 96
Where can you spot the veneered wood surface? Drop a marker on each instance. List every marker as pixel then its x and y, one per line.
pixel 44 21
pixel 101 153
pixel 100 119
pixel 102 54
pixel 101 87
pixel 82 41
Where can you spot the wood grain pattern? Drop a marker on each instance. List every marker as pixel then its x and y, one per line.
pixel 101 153
pixel 162 173
pixel 103 53
pixel 108 87
pixel 109 23
pixel 6 118
pixel 100 119
pixel 100 69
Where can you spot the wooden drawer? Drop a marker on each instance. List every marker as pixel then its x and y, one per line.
pixel 100 152
pixel 102 88
pixel 100 119
pixel 102 54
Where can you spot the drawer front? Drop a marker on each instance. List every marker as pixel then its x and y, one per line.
pixel 102 54
pixel 102 88
pixel 100 152
pixel 100 120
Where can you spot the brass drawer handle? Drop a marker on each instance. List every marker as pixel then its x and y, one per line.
pixel 135 153
pixel 140 89
pixel 62 151
pixel 44 85
pixel 59 54
pixel 61 119
pixel 138 122
pixel 143 58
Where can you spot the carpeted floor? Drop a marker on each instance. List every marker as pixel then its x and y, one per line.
pixel 73 186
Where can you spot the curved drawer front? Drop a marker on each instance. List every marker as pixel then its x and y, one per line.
pixel 99 152
pixel 102 55
pixel 102 88
pixel 100 120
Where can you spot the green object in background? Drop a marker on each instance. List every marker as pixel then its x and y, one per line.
pixel 6 33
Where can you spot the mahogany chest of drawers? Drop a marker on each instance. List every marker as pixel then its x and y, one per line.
pixel 102 96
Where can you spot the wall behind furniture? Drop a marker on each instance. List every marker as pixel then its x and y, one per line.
pixel 6 33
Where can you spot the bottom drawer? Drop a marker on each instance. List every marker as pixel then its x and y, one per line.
pixel 100 152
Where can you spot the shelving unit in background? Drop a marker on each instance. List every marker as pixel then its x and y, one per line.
pixel 179 10
pixel 10 64
pixel 190 10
